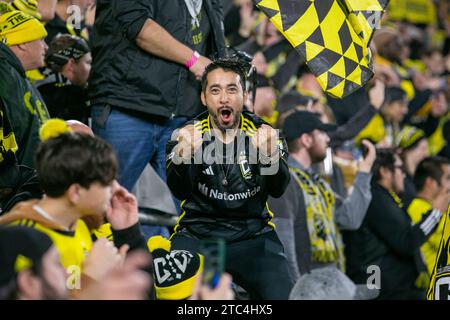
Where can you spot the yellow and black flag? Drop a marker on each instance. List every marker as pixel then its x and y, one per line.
pixel 439 288
pixel 332 36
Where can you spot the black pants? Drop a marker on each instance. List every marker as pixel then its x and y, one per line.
pixel 258 264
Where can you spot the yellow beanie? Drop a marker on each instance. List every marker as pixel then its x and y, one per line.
pixel 17 27
pixel 53 128
pixel 27 6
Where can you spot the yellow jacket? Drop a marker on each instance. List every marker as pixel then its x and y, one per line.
pixel 429 249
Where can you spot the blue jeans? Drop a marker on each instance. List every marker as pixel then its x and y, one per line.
pixel 137 142
pixel 150 231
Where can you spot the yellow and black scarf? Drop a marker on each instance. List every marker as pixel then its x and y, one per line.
pixel 325 238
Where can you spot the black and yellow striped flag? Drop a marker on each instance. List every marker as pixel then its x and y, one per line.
pixel 332 36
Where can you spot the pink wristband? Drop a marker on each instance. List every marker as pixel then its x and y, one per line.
pixel 192 60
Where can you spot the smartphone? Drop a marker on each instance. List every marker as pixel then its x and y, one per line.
pixel 213 251
pixel 364 150
pixel 328 163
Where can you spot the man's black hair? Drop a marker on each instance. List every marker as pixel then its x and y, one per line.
pixel 74 158
pixel 228 64
pixel 393 94
pixel 431 167
pixel 386 159
pixel 64 47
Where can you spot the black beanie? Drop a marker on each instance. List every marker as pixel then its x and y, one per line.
pixel 20 248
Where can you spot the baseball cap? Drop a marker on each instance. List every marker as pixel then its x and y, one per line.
pixel 20 248
pixel 301 122
pixel 329 283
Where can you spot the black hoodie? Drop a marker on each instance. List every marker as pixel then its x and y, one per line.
pixel 23 105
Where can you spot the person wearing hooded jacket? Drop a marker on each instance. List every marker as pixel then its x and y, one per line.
pixel 22 48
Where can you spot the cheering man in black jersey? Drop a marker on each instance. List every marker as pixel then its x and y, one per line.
pixel 225 164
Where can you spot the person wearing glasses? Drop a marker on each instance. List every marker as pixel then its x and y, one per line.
pixel 385 250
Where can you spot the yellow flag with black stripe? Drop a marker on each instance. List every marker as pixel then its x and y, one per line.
pixel 332 36
pixel 439 288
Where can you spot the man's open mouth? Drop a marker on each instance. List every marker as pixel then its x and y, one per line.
pixel 226 114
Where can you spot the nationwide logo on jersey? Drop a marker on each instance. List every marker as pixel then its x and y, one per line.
pixel 333 37
pixel 219 195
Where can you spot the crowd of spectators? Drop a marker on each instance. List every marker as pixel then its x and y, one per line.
pixel 369 173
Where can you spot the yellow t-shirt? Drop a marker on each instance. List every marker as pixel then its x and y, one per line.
pixel 104 231
pixel 429 249
pixel 73 246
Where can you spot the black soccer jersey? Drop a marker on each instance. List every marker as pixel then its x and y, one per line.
pixel 225 193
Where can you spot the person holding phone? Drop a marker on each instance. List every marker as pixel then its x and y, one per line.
pixel 225 164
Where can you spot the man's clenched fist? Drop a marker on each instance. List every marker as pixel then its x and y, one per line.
pixel 189 141
pixel 265 140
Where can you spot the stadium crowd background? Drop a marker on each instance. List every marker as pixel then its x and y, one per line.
pixel 404 109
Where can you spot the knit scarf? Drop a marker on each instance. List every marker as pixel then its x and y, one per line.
pixel 194 7
pixel 325 238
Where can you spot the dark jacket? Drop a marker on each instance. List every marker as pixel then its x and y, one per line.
pixel 388 240
pixel 24 186
pixel 291 218
pixel 234 210
pixel 23 105
pixel 125 76
pixel 64 100
pixel 59 26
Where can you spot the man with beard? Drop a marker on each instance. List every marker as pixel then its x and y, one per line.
pixel 387 239
pixel 310 214
pixel 226 192
pixel 65 87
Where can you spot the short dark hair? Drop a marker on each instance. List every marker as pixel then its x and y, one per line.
pixel 227 64
pixel 385 158
pixel 64 47
pixel 393 94
pixel 74 158
pixel 431 167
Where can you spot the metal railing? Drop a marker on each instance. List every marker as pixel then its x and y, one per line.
pixel 158 219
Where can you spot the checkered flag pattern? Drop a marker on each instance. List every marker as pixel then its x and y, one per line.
pixel 332 36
